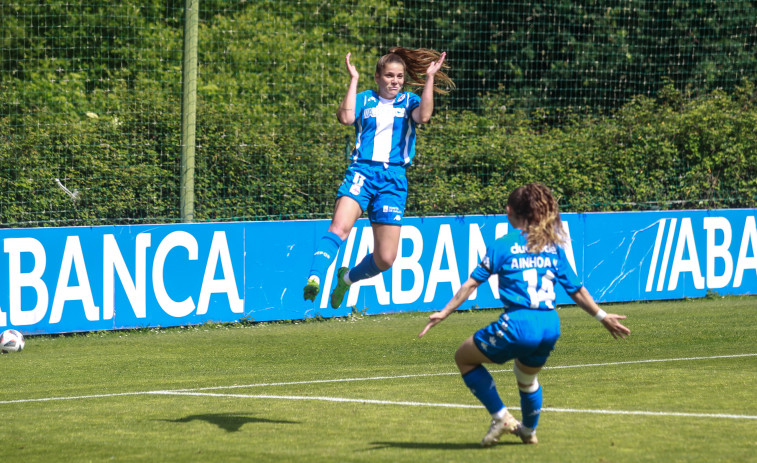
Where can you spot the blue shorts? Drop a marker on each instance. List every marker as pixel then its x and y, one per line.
pixel 379 189
pixel 528 335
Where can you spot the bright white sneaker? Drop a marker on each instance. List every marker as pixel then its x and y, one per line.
pixel 528 436
pixel 498 427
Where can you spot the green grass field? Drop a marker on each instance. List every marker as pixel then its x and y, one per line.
pixel 682 388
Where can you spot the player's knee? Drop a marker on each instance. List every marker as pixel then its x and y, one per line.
pixel 459 355
pixel 526 382
pixel 341 230
pixel 462 359
pixel 384 260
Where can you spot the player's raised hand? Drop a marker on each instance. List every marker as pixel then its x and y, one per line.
pixel 436 65
pixel 350 68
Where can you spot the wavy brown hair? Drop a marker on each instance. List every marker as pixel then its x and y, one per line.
pixel 416 61
pixel 535 205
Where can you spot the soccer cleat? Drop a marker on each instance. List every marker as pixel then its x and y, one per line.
pixel 341 287
pixel 311 290
pixel 528 437
pixel 498 427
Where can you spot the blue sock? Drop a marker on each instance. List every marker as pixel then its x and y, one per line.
pixel 324 254
pixel 481 384
pixel 365 269
pixel 530 407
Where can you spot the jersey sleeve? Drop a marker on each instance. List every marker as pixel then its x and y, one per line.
pixel 485 269
pixel 565 274
pixel 360 100
pixel 413 102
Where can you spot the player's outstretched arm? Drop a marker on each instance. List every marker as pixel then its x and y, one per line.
pixel 461 296
pixel 346 112
pixel 422 114
pixel 610 321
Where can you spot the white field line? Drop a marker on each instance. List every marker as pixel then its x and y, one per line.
pixel 427 404
pixel 52 399
pixel 426 375
pixel 388 402
pixel 683 359
pixel 195 391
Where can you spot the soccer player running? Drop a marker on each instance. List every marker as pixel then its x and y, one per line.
pixel 375 181
pixel 527 263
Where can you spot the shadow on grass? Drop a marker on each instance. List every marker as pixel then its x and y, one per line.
pixel 433 445
pixel 231 422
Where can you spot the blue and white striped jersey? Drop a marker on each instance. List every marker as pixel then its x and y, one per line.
pixel 526 279
pixel 384 129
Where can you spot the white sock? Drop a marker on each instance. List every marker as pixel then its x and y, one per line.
pixel 500 414
pixel 526 431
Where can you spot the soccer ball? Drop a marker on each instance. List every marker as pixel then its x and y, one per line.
pixel 11 341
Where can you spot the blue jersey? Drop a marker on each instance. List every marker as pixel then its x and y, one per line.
pixel 384 129
pixel 526 280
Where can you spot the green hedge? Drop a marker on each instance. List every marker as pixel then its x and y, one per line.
pixel 653 153
pixel 662 153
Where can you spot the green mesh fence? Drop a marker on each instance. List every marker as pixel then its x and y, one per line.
pixel 616 105
pixel 89 113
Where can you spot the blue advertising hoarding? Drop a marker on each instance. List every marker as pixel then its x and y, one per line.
pixel 56 280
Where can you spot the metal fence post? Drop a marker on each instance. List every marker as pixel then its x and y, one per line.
pixel 189 110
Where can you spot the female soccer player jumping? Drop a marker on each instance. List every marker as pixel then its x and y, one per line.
pixel 385 145
pixel 527 263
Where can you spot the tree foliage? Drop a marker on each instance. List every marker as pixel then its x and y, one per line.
pixel 658 112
